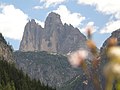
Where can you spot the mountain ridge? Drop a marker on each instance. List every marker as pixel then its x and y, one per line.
pixel 6 50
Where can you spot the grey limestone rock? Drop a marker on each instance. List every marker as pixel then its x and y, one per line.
pixel 54 37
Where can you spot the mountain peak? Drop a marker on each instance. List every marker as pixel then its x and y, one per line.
pixel 31 37
pixel 54 37
pixel 53 14
pixel 52 18
pixel 33 21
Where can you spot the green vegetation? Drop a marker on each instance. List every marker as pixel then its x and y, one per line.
pixel 14 79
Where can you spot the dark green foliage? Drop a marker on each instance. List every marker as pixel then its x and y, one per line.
pixel 14 79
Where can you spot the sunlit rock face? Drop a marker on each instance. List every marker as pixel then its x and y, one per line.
pixel 31 40
pixel 54 37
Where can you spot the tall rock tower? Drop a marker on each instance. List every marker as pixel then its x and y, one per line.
pixel 32 36
pixel 54 37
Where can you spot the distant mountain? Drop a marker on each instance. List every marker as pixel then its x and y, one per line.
pixel 54 37
pixel 41 51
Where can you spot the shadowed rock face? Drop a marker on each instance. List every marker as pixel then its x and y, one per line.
pixel 54 37
pixel 5 50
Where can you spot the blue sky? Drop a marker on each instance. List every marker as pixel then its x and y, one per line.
pixel 102 15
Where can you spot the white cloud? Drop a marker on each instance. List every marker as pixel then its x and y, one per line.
pixel 38 7
pixel 107 7
pixel 12 22
pixel 89 25
pixel 117 15
pixel 74 19
pixel 40 23
pixel 48 3
pixel 68 17
pixel 111 26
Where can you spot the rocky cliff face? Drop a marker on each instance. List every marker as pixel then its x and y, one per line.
pixel 5 50
pixel 32 37
pixel 54 37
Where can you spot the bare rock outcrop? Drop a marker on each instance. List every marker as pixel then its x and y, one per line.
pixel 6 51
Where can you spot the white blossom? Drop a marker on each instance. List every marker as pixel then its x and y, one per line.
pixel 77 57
